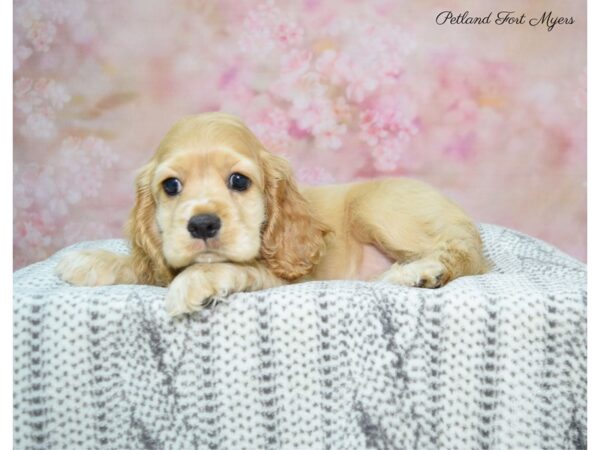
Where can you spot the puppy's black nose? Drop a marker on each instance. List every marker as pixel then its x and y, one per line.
pixel 204 226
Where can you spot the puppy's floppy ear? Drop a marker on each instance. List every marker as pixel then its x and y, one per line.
pixel 293 238
pixel 146 244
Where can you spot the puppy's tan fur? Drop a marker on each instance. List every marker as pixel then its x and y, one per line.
pixel 397 230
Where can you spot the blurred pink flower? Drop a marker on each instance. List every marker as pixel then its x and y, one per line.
pixel 41 35
pixel 331 138
pixel 267 28
pixel 314 176
pixel 32 235
pixel 38 101
pixel 312 113
pixel 56 94
pixel 88 152
pixel 393 153
pixel 22 86
pixel 272 130
pixel 46 193
pixel 386 123
pixel 20 52
pixel 376 59
pixel 295 63
pixel 38 126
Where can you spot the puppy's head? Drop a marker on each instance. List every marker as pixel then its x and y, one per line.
pixel 212 193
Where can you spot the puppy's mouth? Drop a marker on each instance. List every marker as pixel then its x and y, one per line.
pixel 205 245
pixel 209 257
pixel 207 250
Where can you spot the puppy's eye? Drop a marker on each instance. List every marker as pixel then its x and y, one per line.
pixel 238 182
pixel 172 186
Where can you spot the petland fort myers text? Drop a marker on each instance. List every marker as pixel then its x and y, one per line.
pixel 546 20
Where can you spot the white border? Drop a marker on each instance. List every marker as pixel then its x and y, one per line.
pixel 593 221
pixel 6 256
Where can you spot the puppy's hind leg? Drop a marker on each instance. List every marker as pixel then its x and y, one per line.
pixel 428 272
pixel 452 258
pixel 96 268
pixel 431 239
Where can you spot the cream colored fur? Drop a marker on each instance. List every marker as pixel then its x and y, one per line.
pixel 275 232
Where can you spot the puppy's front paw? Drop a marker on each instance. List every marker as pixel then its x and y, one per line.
pixel 190 291
pixel 94 268
pixel 422 273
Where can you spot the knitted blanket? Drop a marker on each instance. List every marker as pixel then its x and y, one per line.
pixel 493 361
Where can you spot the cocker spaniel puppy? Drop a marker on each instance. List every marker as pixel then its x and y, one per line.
pixel 216 213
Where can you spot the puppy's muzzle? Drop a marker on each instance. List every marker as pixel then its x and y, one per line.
pixel 204 226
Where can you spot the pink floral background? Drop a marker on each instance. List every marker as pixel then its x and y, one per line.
pixel 494 116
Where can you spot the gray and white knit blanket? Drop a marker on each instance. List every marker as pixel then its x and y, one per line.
pixel 493 362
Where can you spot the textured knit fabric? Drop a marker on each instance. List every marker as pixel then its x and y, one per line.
pixel 495 361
